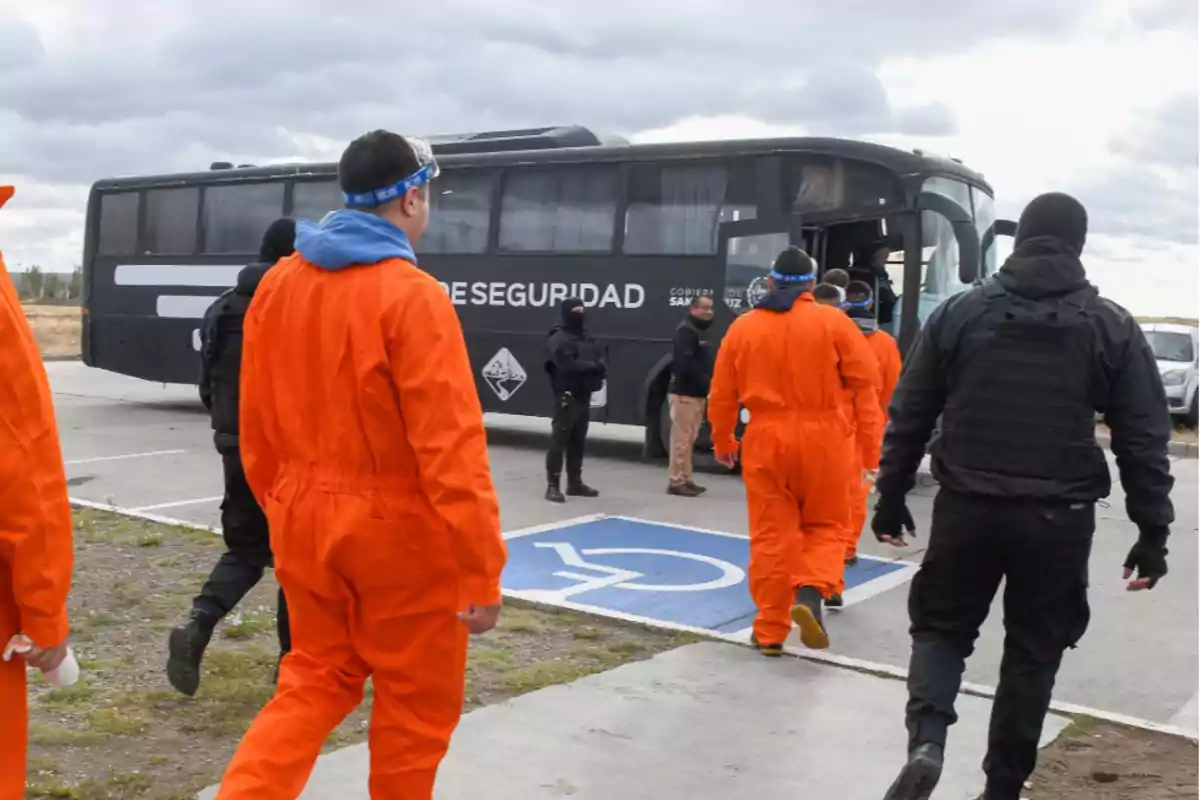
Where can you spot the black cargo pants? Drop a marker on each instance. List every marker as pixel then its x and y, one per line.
pixel 568 434
pixel 247 553
pixel 1041 551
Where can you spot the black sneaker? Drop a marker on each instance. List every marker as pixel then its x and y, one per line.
pixel 852 561
pixel 581 490
pixel 682 490
pixel 919 776
pixel 834 601
pixel 554 494
pixel 806 613
pixel 768 650
pixel 185 649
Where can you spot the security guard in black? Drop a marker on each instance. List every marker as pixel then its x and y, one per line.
pixel 243 523
pixel 1016 370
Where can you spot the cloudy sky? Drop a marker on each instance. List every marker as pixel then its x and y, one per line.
pixel 1094 97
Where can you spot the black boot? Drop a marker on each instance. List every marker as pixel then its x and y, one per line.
pixel 835 601
pixel 919 776
pixel 806 613
pixel 185 649
pixel 768 650
pixel 553 493
pixel 577 488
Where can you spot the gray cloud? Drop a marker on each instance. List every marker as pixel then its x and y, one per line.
pixel 1153 191
pixel 217 79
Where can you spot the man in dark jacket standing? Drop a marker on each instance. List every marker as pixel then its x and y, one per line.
pixel 577 369
pixel 1016 369
pixel 691 373
pixel 243 524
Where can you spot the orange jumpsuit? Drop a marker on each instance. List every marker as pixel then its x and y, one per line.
pixel 788 369
pixel 36 549
pixel 887 356
pixel 362 436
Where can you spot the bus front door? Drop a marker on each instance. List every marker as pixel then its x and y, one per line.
pixel 747 250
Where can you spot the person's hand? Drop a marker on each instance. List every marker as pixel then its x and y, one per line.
pixel 480 619
pixel 47 659
pixel 891 520
pixel 868 476
pixel 728 460
pixel 1148 558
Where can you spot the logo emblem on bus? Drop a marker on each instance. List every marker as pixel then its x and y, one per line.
pixel 756 291
pixel 504 374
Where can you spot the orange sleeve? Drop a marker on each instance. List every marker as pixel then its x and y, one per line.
pixel 860 375
pixel 889 364
pixel 723 393
pixel 259 458
pixel 36 529
pixel 444 420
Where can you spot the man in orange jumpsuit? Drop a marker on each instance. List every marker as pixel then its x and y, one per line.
pixel 362 437
pixel 787 362
pixel 36 548
pixel 857 477
pixel 859 306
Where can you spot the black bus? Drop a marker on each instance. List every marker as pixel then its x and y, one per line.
pixel 524 219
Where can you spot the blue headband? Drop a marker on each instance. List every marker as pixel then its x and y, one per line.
pixel 807 277
pixel 378 197
pixel 857 303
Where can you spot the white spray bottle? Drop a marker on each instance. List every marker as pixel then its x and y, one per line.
pixel 64 674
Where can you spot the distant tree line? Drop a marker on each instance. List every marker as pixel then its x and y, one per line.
pixel 35 285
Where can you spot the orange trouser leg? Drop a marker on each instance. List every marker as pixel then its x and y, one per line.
pixel 775 540
pixel 14 719
pixel 420 670
pixel 320 682
pixel 819 479
pixel 860 491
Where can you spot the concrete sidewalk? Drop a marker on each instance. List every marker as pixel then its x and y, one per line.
pixel 708 721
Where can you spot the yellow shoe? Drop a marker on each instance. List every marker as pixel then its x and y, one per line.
pixel 806 613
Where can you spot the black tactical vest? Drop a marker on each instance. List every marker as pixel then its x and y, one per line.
pixel 224 359
pixel 1021 399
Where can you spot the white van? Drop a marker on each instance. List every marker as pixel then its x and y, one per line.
pixel 1176 348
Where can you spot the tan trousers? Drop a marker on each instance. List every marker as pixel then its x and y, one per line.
pixel 687 415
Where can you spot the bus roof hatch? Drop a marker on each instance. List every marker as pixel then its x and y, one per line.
pixel 552 138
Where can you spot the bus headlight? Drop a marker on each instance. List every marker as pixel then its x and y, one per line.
pixel 1174 377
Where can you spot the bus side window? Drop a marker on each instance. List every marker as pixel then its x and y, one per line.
pixel 567 210
pixel 312 200
pixel 676 210
pixel 235 217
pixel 460 212
pixel 171 221
pixel 118 224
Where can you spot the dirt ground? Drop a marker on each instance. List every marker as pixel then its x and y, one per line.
pixel 122 733
pixel 56 328
pixel 1094 760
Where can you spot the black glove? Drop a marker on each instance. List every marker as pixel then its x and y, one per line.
pixel 892 517
pixel 1148 557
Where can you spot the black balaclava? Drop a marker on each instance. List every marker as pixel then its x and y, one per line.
pixel 572 320
pixel 279 241
pixel 1055 215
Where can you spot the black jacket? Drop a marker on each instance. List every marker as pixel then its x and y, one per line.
pixel 574 362
pixel 221 355
pixel 1116 364
pixel 691 361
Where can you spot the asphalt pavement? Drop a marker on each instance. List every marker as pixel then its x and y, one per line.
pixel 148 448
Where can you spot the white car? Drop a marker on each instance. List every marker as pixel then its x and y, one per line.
pixel 1176 348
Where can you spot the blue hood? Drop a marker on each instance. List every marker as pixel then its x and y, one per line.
pixel 347 237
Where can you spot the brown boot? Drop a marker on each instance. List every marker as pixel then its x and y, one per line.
pixel 682 490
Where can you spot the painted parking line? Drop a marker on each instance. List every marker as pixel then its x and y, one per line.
pixel 655 573
pixel 124 457
pixel 178 503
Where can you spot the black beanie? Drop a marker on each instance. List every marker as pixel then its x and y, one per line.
pixel 794 261
pixel 279 241
pixel 1054 215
